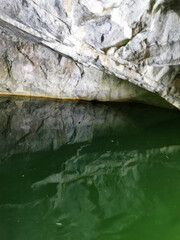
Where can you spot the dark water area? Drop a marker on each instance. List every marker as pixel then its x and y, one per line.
pixel 88 171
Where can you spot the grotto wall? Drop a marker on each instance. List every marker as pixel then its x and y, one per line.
pixel 138 42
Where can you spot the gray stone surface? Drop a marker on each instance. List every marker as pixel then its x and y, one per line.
pixel 135 40
pixel 33 70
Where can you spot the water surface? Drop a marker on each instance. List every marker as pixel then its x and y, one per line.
pixel 88 171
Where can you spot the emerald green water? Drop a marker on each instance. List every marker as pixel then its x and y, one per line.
pixel 88 171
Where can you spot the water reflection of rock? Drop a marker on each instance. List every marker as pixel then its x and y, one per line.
pixel 100 195
pixel 32 125
pixel 40 125
pixel 83 170
pixel 96 195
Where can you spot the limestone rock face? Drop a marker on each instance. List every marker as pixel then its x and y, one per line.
pixel 134 40
pixel 33 70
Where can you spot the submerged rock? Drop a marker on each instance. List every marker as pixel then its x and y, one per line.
pixel 133 40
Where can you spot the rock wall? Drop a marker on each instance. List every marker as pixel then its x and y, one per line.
pixel 132 40
pixel 33 70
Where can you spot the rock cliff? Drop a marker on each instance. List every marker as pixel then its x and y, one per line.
pixel 136 41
